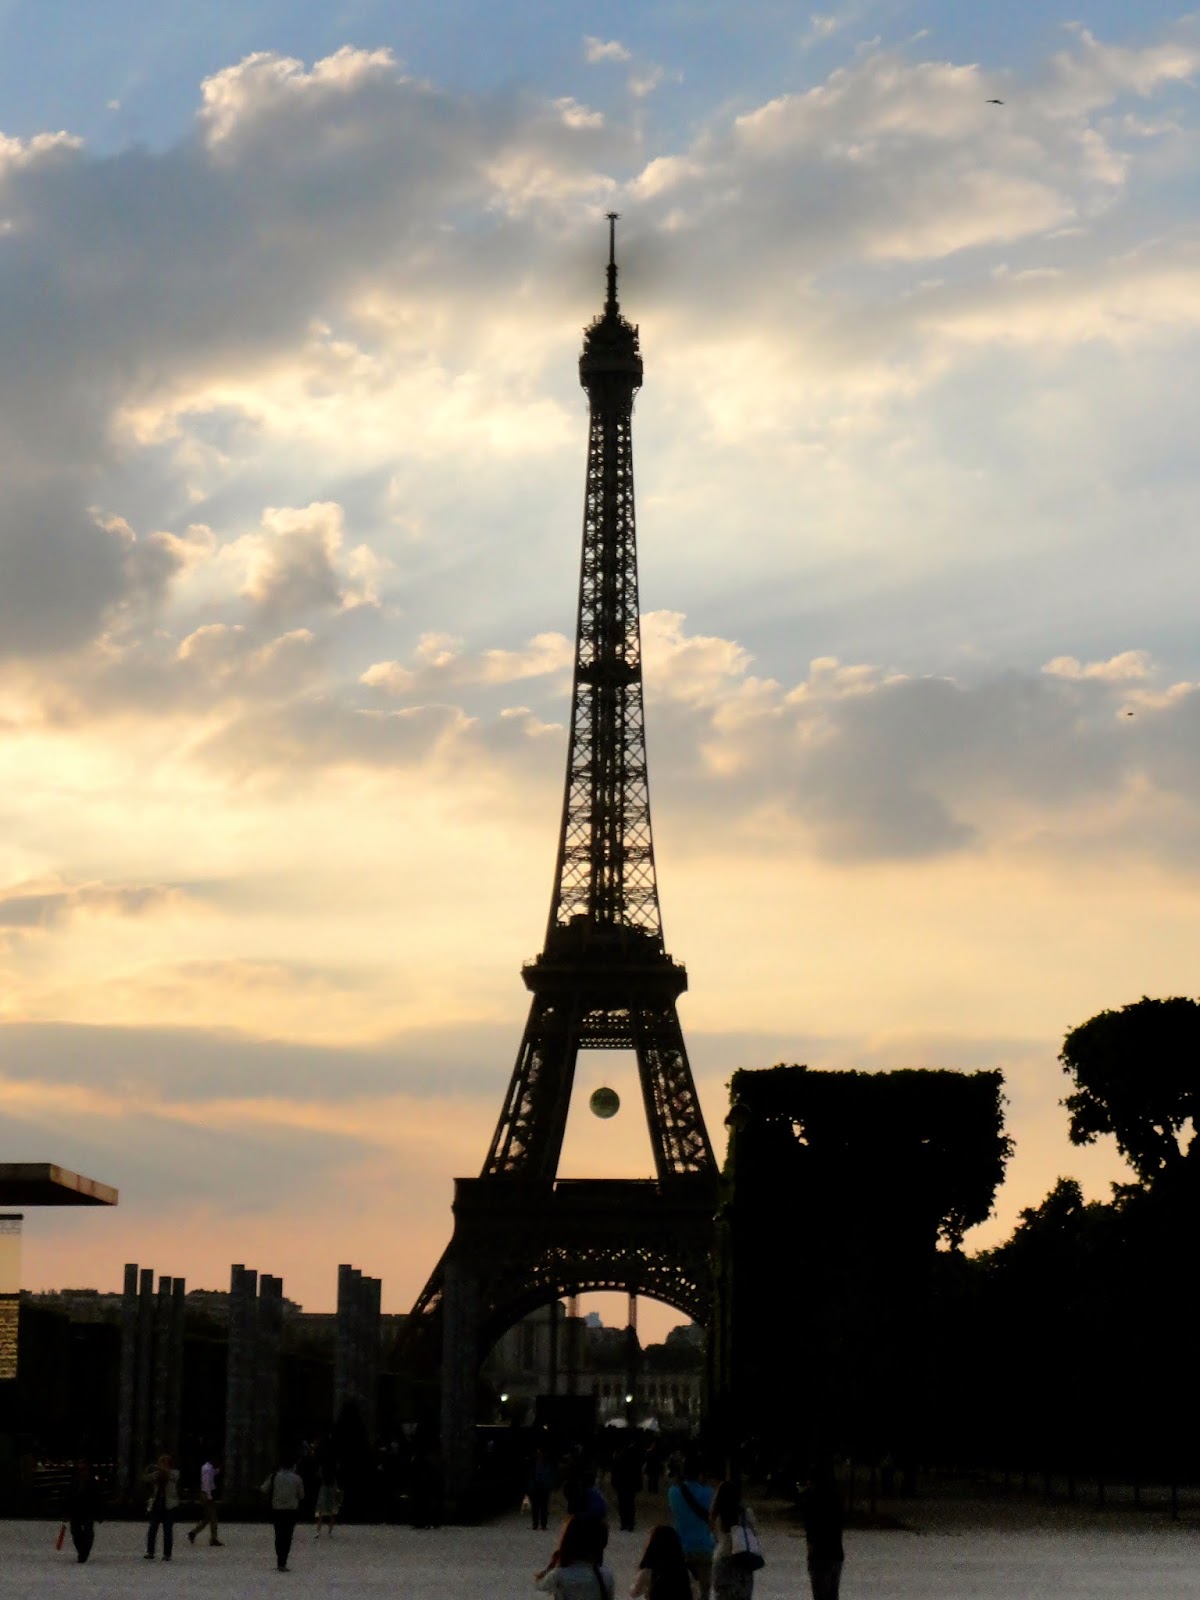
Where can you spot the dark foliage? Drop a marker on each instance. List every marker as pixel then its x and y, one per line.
pixel 841 1185
pixel 1137 1076
pixel 937 1136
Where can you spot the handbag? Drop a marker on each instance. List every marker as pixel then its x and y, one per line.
pixel 746 1552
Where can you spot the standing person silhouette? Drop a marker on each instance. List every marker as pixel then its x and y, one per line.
pixel 626 1481
pixel 163 1480
pixel 83 1498
pixel 731 1580
pixel 822 1508
pixel 541 1481
pixel 284 1489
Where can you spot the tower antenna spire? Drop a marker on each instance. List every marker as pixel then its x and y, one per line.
pixel 610 305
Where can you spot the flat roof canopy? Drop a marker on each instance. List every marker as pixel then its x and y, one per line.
pixel 38 1183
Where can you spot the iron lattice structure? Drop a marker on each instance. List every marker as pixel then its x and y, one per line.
pixel 603 980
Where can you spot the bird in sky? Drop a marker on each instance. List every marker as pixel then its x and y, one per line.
pixel 994 102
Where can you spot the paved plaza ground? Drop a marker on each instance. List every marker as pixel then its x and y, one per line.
pixel 949 1552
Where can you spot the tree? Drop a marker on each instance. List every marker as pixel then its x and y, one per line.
pixel 1137 1076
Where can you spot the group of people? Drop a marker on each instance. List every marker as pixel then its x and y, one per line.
pixel 710 1550
pixel 313 1479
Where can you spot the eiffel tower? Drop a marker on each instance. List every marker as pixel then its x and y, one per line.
pixel 522 1236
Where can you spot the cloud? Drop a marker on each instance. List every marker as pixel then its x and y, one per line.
pixel 37 904
pixel 294 566
pixel 265 86
pixel 1092 73
pixel 598 50
pixel 1131 666
pixel 645 82
pixel 169 1066
pixel 303 269
pixel 165 1164
pixel 852 762
pixel 440 662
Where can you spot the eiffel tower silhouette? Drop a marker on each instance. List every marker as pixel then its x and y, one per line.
pixel 522 1236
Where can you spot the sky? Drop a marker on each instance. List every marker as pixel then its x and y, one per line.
pixel 292 443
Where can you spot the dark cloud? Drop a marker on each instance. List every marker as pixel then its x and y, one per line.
pixel 169 1166
pixel 183 1065
pixel 36 905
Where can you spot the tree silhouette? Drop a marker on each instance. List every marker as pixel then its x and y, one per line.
pixel 1137 1076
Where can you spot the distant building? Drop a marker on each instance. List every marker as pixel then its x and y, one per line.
pixel 551 1353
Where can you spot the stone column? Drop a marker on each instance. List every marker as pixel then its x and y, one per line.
pixel 270 1348
pixel 460 1365
pixel 372 1290
pixel 162 1369
pixel 239 1383
pixel 346 1340
pixel 127 1468
pixel 143 1409
pixel 175 1366
pixel 356 1346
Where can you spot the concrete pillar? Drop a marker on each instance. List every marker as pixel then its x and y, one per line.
pixel 240 1377
pixel 160 1427
pixel 143 1413
pixel 346 1340
pixel 127 1467
pixel 175 1366
pixel 460 1365
pixel 269 1353
pixel 372 1296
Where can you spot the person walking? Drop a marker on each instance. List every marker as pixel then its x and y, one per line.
pixel 541 1481
pixel 163 1481
pixel 83 1499
pixel 284 1489
pixel 689 1500
pixel 821 1505
pixel 577 1569
pixel 626 1481
pixel 732 1577
pixel 662 1573
pixel 208 1504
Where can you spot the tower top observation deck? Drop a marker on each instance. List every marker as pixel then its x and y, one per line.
pixel 610 343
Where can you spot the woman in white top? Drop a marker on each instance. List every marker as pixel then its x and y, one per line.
pixel 577 1569
pixel 732 1579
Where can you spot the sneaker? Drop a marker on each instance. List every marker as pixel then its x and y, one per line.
pixel 149 1556
pixel 217 1544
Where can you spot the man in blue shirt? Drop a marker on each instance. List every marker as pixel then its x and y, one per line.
pixel 690 1500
